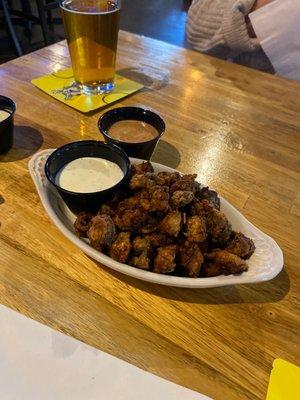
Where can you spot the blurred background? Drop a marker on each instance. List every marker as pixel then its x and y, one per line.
pixel 27 25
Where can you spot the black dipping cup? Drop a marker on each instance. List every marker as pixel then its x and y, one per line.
pixel 7 125
pixel 141 150
pixel 90 202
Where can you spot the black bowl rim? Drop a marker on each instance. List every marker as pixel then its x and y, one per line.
pixel 12 103
pixel 97 143
pixel 144 110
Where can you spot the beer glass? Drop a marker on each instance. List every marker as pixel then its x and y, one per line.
pixel 92 28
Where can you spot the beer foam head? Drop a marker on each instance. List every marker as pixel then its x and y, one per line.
pixel 90 6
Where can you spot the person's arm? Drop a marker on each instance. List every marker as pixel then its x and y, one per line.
pixel 220 27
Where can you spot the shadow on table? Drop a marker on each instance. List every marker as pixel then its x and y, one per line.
pixel 152 78
pixel 27 141
pixel 264 292
pixel 100 111
pixel 166 154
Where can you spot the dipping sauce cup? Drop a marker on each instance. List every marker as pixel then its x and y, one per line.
pixel 79 201
pixel 134 143
pixel 7 111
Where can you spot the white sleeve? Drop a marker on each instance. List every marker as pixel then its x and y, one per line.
pixel 277 27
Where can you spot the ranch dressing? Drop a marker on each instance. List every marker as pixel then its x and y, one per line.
pixel 88 175
pixel 4 115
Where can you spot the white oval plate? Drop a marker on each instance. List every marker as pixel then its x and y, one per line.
pixel 265 263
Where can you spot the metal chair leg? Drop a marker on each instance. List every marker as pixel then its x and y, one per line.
pixel 43 20
pixel 50 18
pixel 11 27
pixel 26 9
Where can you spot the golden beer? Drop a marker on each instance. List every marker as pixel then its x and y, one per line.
pixel 92 28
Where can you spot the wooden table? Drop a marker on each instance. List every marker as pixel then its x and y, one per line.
pixel 239 130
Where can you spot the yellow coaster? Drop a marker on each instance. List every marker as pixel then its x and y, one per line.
pixel 54 83
pixel 284 381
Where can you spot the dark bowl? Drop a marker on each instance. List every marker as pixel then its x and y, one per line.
pixel 7 126
pixel 90 202
pixel 141 150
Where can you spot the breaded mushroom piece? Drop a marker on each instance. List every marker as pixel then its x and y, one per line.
pixel 159 199
pixel 143 181
pixel 196 229
pixel 121 247
pixel 210 195
pixel 128 204
pixel 181 198
pixel 185 183
pixel 82 224
pixel 218 227
pixel 154 198
pixel 171 224
pixel 141 168
pixel 107 210
pixel 143 250
pixel 168 178
pixel 158 239
pixel 149 227
pixel 141 244
pixel 241 246
pixel 141 261
pixel 131 219
pixel 190 258
pixel 221 262
pixel 102 231
pixel 164 261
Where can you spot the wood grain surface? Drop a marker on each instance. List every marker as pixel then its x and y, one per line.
pixel 239 130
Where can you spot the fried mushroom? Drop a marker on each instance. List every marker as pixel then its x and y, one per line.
pixel 168 178
pixel 196 207
pixel 141 244
pixel 142 168
pixel 131 219
pixel 190 258
pixel 141 261
pixel 82 224
pixel 221 262
pixel 159 200
pixel 171 224
pixel 210 195
pixel 164 261
pixel 121 247
pixel 181 198
pixel 150 226
pixel 102 231
pixel 143 250
pixel 107 210
pixel 196 229
pixel 128 204
pixel 143 181
pixel 185 183
pixel 158 239
pixel 218 226
pixel 241 246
